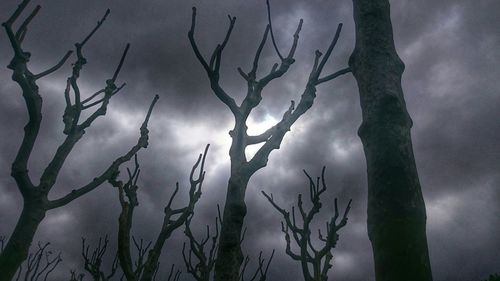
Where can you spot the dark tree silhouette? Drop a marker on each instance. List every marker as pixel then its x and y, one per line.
pixel 36 200
pixel 201 250
pixel 146 266
pixel 229 255
pixel 260 273
pixel 200 257
pixel 396 208
pixel 93 260
pixel 40 264
pixel 310 257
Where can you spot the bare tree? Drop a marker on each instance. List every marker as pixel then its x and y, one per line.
pixel 230 256
pixel 36 197
pixel 260 273
pixel 200 257
pixel 93 260
pixel 309 256
pixel 39 265
pixel 396 207
pixel 202 269
pixel 145 267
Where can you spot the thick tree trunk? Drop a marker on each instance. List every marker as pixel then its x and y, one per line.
pixel 396 209
pixel 230 256
pixel 17 249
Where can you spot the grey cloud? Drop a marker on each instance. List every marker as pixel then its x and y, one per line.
pixel 451 52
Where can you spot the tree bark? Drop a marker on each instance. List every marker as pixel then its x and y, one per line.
pixel 17 248
pixel 396 209
pixel 230 256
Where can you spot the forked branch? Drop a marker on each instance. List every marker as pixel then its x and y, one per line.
pixel 146 266
pixel 40 264
pixel 93 261
pixel 310 257
pixel 200 257
pixel 108 173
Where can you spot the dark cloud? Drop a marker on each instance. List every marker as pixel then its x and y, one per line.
pixel 451 85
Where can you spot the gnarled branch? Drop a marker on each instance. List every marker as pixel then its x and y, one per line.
pixel 145 267
pixel 319 260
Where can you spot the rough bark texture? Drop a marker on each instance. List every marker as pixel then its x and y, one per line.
pixel 396 209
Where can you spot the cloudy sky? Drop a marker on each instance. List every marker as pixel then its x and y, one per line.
pixel 451 52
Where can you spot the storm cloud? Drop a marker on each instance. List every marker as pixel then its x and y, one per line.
pixel 451 85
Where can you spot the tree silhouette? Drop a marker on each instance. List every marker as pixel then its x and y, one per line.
pixel 396 208
pixel 93 260
pixel 309 256
pixel 146 266
pixel 229 255
pixel 39 265
pixel 199 258
pixel 36 200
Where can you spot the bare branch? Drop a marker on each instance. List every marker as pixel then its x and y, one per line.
pixel 217 53
pixel 262 137
pixel 271 28
pixel 174 276
pixel 309 256
pixel 202 269
pixel 253 72
pixel 93 260
pixel 285 62
pixel 40 264
pixel 15 43
pixel 55 67
pixel 146 267
pixel 212 74
pixel 334 75
pixel 141 143
pixel 122 59
pixel 99 23
pixel 330 48
pixel 21 32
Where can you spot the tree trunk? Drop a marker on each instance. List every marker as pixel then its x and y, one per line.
pixel 396 209
pixel 230 256
pixel 17 249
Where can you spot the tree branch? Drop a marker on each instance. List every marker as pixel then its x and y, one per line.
pixel 141 143
pixel 310 257
pixel 55 67
pixel 271 29
pixel 21 32
pixel 169 224
pixel 212 74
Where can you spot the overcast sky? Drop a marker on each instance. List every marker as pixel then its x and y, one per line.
pixel 451 51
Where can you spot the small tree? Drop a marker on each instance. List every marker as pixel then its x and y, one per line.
pixel 93 260
pixel 39 265
pixel 145 267
pixel 36 200
pixel 229 255
pixel 199 258
pixel 310 257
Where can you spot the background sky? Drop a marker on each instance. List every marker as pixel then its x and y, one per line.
pixel 451 52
